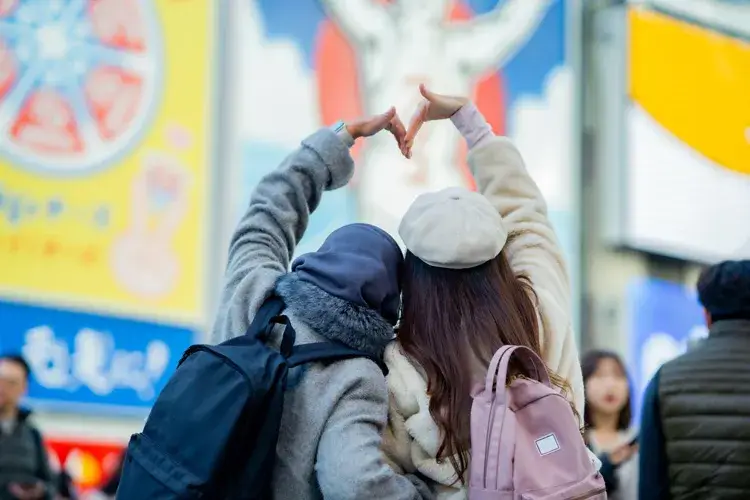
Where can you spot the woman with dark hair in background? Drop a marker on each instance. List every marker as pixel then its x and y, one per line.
pixel 482 270
pixel 607 416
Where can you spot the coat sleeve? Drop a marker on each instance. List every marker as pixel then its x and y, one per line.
pixel 350 463
pixel 265 239
pixel 532 249
pixel 653 474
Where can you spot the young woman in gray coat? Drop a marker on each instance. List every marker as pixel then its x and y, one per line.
pixel 348 291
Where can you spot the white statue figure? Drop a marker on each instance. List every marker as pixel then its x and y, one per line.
pixel 407 42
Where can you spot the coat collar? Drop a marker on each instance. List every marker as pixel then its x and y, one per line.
pixel 730 327
pixel 333 318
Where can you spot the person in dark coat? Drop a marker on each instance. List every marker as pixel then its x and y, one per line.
pixel 24 466
pixel 695 423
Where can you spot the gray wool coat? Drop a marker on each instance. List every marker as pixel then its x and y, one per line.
pixel 334 415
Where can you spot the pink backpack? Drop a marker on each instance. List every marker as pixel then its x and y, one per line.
pixel 525 442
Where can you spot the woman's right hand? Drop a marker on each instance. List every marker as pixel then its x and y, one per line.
pixel 434 107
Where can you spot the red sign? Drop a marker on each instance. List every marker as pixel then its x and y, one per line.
pixel 89 463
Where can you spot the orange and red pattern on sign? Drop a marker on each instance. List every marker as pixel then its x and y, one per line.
pixel 89 463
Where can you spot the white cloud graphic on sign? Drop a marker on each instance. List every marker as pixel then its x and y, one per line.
pixel 90 359
pixel 94 362
pixel 157 357
pixel 48 357
pixel 278 97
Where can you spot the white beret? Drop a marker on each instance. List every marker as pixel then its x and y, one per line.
pixel 454 228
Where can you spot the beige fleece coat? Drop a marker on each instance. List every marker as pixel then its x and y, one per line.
pixel 412 439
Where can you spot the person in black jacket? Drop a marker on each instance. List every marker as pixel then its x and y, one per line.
pixel 695 422
pixel 24 467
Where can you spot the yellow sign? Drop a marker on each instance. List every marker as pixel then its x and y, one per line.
pixel 104 153
pixel 695 82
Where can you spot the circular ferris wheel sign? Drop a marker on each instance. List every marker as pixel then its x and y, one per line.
pixel 78 81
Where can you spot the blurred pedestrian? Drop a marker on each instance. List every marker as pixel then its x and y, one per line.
pixel 24 466
pixel 695 425
pixel 608 417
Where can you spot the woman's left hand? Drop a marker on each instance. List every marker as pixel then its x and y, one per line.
pixel 390 121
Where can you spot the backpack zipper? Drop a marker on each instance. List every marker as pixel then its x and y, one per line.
pixel 589 494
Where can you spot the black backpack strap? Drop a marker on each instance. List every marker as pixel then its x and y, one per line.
pixel 266 318
pixel 260 328
pixel 329 351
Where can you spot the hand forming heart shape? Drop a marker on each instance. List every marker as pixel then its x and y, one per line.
pixel 434 107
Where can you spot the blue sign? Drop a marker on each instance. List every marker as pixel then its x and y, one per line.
pixel 665 320
pixel 87 362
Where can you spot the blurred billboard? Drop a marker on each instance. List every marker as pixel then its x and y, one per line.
pixel 88 463
pixel 92 362
pixel 303 64
pixel 685 180
pixel 105 125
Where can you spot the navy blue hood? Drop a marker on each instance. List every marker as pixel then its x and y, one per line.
pixel 359 263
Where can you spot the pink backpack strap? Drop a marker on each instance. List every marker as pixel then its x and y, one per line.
pixel 499 451
pixel 498 370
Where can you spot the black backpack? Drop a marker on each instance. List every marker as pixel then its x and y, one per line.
pixel 213 430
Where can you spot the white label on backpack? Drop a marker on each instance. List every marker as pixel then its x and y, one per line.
pixel 547 444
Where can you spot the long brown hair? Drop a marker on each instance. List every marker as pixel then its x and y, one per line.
pixel 454 318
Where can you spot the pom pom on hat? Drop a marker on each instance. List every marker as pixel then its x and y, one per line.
pixel 454 228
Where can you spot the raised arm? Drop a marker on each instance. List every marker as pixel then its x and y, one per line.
pixel 265 239
pixel 363 21
pixel 532 249
pixel 489 40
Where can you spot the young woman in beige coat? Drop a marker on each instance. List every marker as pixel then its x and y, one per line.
pixel 482 270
